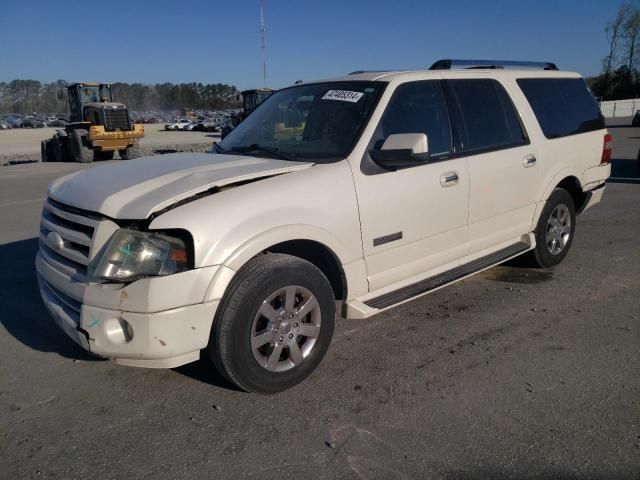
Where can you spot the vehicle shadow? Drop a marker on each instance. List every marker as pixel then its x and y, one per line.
pixel 625 170
pixel 23 313
pixel 205 371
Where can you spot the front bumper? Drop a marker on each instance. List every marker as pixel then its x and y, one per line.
pixel 163 338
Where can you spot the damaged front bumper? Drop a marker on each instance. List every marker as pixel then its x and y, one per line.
pixel 137 324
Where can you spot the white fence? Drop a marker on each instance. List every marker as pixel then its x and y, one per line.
pixel 619 108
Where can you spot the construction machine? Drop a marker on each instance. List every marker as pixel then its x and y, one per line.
pixel 252 98
pixel 97 127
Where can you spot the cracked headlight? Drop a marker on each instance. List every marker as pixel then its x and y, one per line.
pixel 131 254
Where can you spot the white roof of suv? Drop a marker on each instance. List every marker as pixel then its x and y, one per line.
pixel 408 75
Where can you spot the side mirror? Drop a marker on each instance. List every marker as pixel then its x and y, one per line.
pixel 402 150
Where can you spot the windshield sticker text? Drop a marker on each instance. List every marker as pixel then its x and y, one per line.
pixel 343 95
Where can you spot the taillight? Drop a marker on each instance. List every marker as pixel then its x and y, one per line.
pixel 606 150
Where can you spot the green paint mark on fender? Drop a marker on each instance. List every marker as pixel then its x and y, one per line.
pixel 94 321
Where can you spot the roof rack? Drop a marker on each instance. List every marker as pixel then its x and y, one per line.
pixel 448 64
pixel 358 72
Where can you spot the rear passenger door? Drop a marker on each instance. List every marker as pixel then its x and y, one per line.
pixel 502 163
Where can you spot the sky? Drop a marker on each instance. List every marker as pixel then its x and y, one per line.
pixel 219 41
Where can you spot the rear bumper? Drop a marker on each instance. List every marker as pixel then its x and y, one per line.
pixel 594 197
pixel 595 176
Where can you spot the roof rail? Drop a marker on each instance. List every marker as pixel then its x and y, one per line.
pixel 358 72
pixel 448 64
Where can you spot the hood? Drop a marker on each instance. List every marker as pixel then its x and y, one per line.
pixel 135 189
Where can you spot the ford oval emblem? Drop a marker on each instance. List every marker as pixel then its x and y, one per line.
pixel 55 240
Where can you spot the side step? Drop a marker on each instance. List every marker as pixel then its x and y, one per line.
pixel 449 276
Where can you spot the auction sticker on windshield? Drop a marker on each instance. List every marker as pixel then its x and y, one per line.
pixel 343 95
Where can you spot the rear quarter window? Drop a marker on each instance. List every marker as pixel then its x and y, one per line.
pixel 563 106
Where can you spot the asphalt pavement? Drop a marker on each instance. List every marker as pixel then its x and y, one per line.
pixel 514 373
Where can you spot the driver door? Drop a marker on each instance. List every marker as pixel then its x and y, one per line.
pixel 413 220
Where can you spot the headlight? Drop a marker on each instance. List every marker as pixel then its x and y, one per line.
pixel 130 254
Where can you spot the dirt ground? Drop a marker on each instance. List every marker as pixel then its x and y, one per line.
pixel 511 374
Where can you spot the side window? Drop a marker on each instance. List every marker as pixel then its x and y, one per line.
pixel 563 106
pixel 417 107
pixel 488 117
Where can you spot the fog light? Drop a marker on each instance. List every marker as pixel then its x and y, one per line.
pixel 118 330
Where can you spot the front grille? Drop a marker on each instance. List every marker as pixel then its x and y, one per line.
pixel 66 238
pixel 117 120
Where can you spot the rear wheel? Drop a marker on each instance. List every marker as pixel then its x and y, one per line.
pixel 44 150
pixel 555 229
pixel 131 152
pixel 59 148
pixel 274 324
pixel 80 148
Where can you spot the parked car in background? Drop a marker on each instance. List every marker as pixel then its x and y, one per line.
pixel 32 122
pixel 636 119
pixel 177 125
pixel 4 126
pixel 56 122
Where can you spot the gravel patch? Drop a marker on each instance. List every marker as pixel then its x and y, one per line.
pixel 15 159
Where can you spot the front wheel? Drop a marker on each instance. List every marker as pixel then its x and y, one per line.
pixel 82 151
pixel 274 324
pixel 131 152
pixel 555 229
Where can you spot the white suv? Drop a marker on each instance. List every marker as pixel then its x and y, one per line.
pixel 372 189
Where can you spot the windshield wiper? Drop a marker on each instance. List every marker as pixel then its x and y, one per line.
pixel 254 147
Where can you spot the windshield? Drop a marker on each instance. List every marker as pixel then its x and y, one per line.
pixel 320 121
pixel 94 93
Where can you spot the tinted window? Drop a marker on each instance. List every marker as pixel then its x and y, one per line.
pixel 417 107
pixel 563 106
pixel 487 115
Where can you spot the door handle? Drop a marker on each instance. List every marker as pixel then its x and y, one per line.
pixel 529 161
pixel 449 179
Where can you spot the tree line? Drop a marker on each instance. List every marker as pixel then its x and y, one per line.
pixel 620 77
pixel 27 96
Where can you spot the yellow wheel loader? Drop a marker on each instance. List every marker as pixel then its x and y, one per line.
pixel 98 127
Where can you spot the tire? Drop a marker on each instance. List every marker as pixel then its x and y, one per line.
pixel 100 155
pixel 256 302
pixel 58 148
pixel 131 152
pixel 81 151
pixel 44 150
pixel 554 232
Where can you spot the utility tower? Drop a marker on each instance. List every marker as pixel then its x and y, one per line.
pixel 263 46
